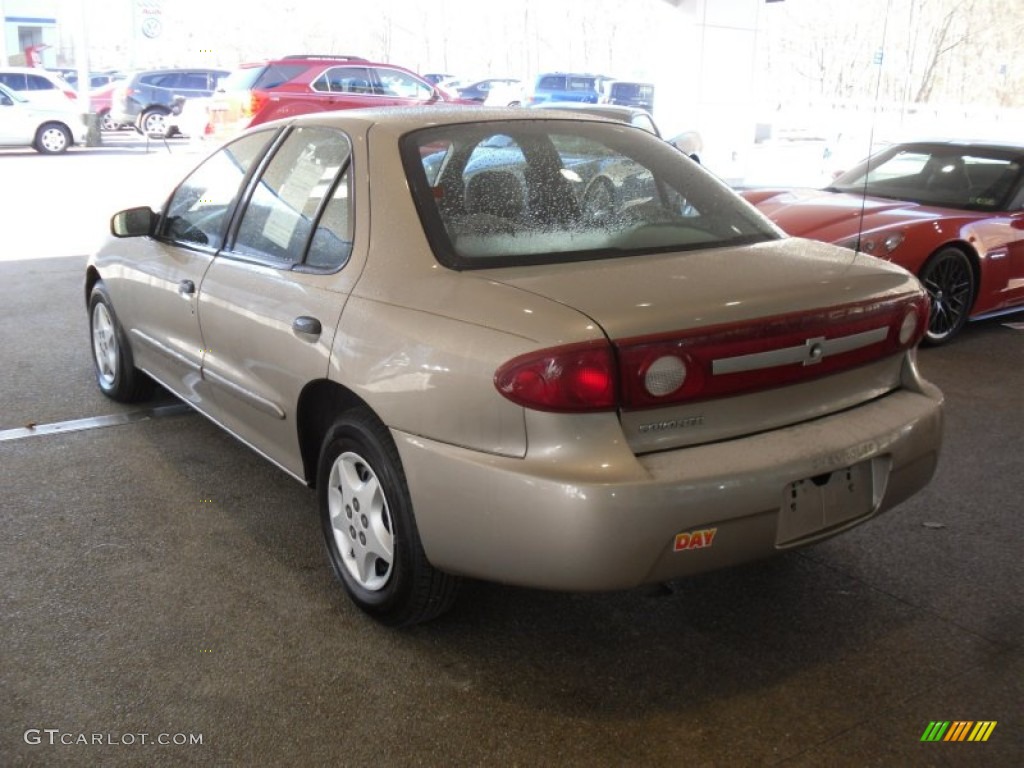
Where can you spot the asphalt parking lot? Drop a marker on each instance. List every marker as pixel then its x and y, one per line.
pixel 165 598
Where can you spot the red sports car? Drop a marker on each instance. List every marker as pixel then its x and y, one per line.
pixel 950 212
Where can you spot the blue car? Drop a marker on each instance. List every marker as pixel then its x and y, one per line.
pixel 565 86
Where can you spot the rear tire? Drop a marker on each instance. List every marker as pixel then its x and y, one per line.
pixel 369 527
pixel 107 121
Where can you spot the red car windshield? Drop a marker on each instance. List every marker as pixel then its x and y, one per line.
pixel 968 178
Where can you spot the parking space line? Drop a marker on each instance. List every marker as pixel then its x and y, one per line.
pixel 94 422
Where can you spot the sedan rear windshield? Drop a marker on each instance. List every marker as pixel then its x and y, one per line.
pixel 505 193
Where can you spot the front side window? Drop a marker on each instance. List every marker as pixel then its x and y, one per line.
pixel 292 190
pixel 198 211
pixel 548 191
pixel 402 85
pixel 345 80
pixel 943 175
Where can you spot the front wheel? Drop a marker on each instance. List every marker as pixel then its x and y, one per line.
pixel 116 374
pixel 369 528
pixel 949 279
pixel 52 139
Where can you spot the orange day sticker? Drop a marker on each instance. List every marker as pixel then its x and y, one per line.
pixel 695 539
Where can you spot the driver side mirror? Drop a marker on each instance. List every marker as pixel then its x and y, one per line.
pixel 133 222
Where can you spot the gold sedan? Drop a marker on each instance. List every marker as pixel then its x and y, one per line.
pixel 517 346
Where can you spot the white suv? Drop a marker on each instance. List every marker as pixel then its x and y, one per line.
pixel 47 128
pixel 38 85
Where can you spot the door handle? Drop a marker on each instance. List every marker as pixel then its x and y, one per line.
pixel 309 326
pixel 186 287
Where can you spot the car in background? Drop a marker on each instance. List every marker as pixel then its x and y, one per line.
pixel 100 101
pixel 689 142
pixel 483 376
pixel 479 90
pixel 437 77
pixel 628 94
pixel 50 129
pixel 38 85
pixel 145 99
pixel 299 84
pixel 96 79
pixel 951 212
pixel 506 95
pixel 564 86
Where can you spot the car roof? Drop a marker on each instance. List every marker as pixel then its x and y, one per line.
pixel 162 70
pixel 404 119
pixel 981 144
pixel 610 111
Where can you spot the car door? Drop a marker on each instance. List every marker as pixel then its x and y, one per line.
pixel 15 126
pixel 160 311
pixel 270 303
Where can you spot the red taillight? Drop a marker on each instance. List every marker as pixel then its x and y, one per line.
pixel 256 102
pixel 720 361
pixel 573 378
pixel 71 95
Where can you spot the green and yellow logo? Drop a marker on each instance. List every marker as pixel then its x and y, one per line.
pixel 958 730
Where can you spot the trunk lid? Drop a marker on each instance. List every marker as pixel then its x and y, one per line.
pixel 778 332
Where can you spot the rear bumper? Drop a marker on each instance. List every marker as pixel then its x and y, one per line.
pixel 584 524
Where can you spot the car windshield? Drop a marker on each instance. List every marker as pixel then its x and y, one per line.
pixel 968 178
pixel 12 95
pixel 547 191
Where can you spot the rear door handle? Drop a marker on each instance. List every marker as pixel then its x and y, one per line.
pixel 306 325
pixel 186 287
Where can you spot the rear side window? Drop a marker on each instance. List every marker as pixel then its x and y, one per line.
pixel 195 81
pixel 275 75
pixel 37 83
pixel 581 84
pixel 290 194
pixel 161 80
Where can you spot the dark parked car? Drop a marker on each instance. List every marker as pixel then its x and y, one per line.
pixel 627 93
pixel 296 85
pixel 145 99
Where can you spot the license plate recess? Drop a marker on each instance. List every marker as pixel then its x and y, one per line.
pixel 816 504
